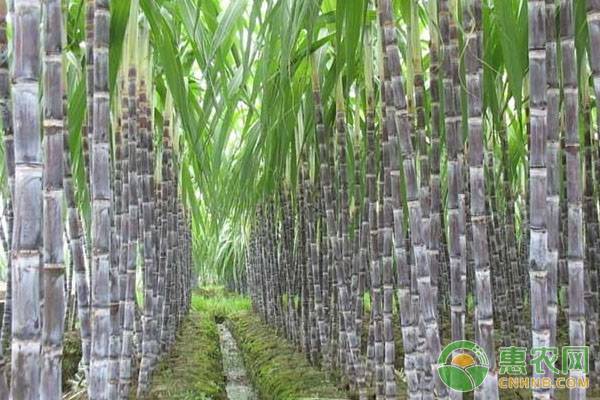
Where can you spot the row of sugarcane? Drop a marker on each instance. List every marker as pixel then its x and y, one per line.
pixel 138 221
pixel 406 236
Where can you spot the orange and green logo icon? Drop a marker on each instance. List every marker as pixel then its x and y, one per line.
pixel 463 365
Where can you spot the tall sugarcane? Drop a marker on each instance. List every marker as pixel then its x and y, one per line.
pixel 9 160
pixel 101 203
pixel 374 181
pixel 141 176
pixel 422 143
pixel 387 279
pixel 347 327
pixel 87 129
pixel 153 159
pixel 465 252
pixel 575 240
pixel 538 179
pixel 483 286
pixel 89 81
pixel 369 227
pixel 303 267
pixel 453 127
pixel 362 253
pixel 4 388
pixel 149 326
pixel 593 22
pixel 162 240
pixel 165 240
pixel 510 242
pixel 435 223
pixel 169 308
pixel 407 317
pixel 325 175
pixel 412 192
pixel 552 165
pixel 53 257
pixel 128 316
pixel 129 151
pixel 27 234
pixel 7 312
pixel 591 237
pixel 312 261
pixel 114 342
pixel 123 217
pixel 389 160
pixel 320 290
pixel 79 274
pixel 78 258
pixel 314 277
pixel 384 168
pixel 419 140
pixel 286 258
pixel 183 281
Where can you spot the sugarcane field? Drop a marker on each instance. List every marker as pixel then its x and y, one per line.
pixel 299 199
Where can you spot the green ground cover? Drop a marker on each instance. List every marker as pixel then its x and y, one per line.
pixel 278 371
pixel 192 371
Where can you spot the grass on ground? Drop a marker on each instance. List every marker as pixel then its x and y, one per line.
pixel 71 356
pixel 192 371
pixel 278 371
pixel 221 306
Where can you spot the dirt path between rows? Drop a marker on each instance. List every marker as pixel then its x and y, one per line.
pixel 238 384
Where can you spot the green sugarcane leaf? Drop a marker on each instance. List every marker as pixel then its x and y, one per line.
pixel 119 17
